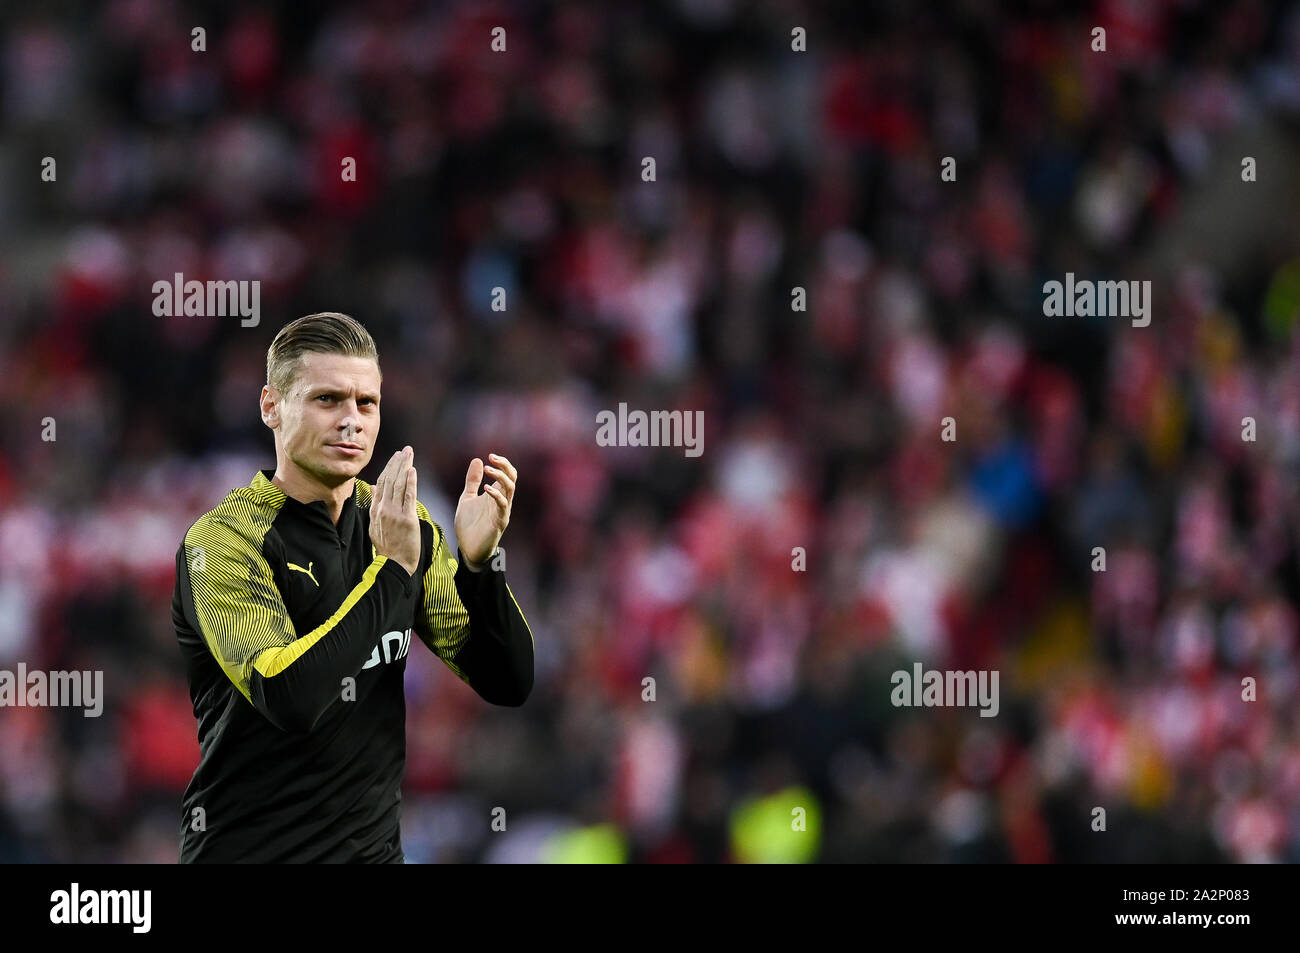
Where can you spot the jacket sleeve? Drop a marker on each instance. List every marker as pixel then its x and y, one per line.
pixel 472 622
pixel 234 605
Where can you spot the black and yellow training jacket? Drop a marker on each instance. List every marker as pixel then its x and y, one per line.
pixel 295 635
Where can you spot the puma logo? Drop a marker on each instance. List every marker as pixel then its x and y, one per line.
pixel 306 572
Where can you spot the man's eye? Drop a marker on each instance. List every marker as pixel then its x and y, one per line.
pixel 325 397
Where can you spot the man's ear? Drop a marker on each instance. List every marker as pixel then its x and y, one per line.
pixel 270 404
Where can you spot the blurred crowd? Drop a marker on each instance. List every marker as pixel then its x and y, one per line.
pixel 827 536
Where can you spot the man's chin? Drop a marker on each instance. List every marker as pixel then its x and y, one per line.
pixel 339 471
pixel 351 468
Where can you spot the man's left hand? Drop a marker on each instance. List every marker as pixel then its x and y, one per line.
pixel 481 519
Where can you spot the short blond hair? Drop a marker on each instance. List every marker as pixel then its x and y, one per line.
pixel 326 332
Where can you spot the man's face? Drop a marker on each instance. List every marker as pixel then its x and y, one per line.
pixel 328 423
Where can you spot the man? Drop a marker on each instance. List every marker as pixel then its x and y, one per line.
pixel 294 605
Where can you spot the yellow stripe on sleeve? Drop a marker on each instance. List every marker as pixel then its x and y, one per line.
pixel 272 661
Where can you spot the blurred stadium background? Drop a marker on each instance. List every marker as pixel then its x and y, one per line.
pixel 776 169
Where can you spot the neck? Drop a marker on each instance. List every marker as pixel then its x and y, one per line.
pixel 306 489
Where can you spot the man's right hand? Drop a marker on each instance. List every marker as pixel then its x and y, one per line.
pixel 394 522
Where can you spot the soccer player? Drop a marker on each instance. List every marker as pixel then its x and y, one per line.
pixel 294 605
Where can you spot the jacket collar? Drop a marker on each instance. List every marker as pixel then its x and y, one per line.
pixel 271 494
